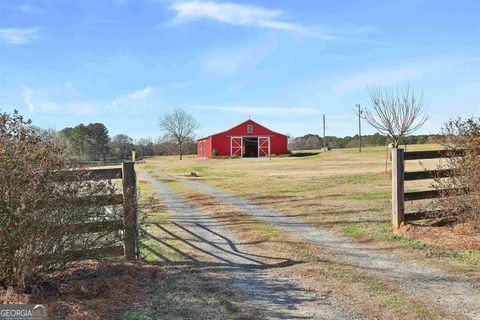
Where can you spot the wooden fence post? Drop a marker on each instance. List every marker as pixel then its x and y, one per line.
pixel 129 210
pixel 398 201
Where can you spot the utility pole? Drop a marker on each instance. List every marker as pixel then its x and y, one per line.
pixel 324 141
pixel 359 113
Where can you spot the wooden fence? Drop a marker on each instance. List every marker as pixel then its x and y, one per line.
pixel 399 176
pixel 128 223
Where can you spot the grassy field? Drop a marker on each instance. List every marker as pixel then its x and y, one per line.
pixel 342 189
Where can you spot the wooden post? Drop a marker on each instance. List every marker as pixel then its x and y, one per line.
pixel 398 201
pixel 359 113
pixel 129 211
pixel 324 141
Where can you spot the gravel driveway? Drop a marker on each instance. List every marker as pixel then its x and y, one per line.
pixel 278 297
pixel 453 293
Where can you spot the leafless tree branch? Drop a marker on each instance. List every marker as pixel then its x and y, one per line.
pixel 395 113
pixel 180 128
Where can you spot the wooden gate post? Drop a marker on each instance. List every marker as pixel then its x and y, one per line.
pixel 398 201
pixel 129 210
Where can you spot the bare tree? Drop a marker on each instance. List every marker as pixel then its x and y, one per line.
pixel 179 127
pixel 396 113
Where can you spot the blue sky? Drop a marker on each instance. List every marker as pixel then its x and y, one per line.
pixel 284 63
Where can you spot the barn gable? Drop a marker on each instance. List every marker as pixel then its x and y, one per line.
pixel 242 129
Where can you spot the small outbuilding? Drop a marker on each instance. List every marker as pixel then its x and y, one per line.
pixel 245 140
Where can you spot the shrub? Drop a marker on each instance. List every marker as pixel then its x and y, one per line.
pixel 40 210
pixel 214 153
pixel 461 201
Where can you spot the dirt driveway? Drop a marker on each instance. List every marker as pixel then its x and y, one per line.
pixel 277 297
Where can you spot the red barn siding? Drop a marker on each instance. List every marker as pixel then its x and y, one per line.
pixel 221 141
pixel 208 147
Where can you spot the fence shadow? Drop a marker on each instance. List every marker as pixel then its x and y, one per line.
pixel 200 245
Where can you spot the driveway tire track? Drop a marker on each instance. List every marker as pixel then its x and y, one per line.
pixel 453 293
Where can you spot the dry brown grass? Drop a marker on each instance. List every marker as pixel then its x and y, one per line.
pixel 88 291
pixel 462 235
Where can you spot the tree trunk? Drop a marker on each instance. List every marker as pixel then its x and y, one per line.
pixel 386 159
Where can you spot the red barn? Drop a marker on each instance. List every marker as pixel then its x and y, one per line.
pixel 248 139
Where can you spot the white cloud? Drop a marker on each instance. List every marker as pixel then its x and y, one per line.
pixel 27 94
pixel 238 14
pixel 65 100
pixel 16 36
pixel 42 102
pixel 263 111
pixel 132 97
pixel 380 77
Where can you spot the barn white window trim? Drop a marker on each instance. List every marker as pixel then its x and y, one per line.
pixel 250 128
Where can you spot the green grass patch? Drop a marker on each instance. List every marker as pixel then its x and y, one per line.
pixel 152 250
pixel 144 187
pixel 267 232
pixel 404 241
pixel 157 218
pixel 354 231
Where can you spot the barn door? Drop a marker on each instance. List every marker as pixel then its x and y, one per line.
pixel 263 147
pixel 203 149
pixel 236 146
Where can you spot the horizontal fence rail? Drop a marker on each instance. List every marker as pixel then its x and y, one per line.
pixel 428 174
pixel 435 154
pixel 97 174
pixel 128 225
pixel 399 176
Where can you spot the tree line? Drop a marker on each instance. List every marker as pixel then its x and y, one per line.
pixel 92 142
pixel 315 142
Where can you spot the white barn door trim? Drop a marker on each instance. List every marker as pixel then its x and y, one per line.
pixel 263 147
pixel 236 147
